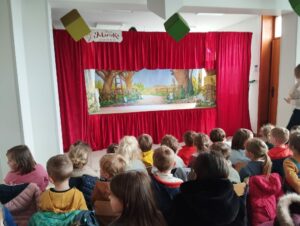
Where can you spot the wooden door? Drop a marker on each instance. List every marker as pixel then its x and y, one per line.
pixel 274 78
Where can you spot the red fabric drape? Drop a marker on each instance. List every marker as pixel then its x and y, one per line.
pixel 233 66
pixel 140 50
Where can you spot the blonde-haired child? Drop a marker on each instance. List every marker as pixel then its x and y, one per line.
pixel 23 168
pixel 110 166
pixel 130 150
pixel 265 134
pixel 78 154
pixel 260 163
pixel 279 138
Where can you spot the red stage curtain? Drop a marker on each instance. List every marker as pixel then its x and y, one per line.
pixel 152 51
pixel 233 66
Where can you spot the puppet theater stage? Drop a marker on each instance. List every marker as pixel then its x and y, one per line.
pixel 228 53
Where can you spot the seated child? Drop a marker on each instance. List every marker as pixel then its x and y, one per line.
pixel 210 199
pixel 260 163
pixel 61 198
pixel 130 150
pixel 279 138
pixel 132 199
pixel 112 148
pixel 23 168
pixel 166 186
pixel 291 165
pixel 145 143
pixel 171 142
pixel 189 149
pixel 110 166
pixel 217 135
pixel 238 157
pixel 225 150
pixel 265 134
pixel 78 154
pixel 202 143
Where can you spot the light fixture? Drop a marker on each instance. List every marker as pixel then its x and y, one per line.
pixel 210 14
pixel 109 26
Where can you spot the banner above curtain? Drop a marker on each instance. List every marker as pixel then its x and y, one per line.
pixel 228 53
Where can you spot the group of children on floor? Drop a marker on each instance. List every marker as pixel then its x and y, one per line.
pixel 171 185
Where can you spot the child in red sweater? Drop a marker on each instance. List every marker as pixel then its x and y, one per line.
pixel 279 138
pixel 188 149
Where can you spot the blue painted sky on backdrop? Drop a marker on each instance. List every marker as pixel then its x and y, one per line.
pixel 152 78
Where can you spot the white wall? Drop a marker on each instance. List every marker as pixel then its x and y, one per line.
pixel 28 87
pixel 10 115
pixel 252 25
pixel 289 58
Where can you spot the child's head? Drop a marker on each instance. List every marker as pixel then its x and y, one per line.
pixel 239 139
pixel 279 136
pixel 129 148
pixel 132 197
pixel 294 143
pixel 295 128
pixel 217 135
pixel 20 159
pixel 112 148
pixel 163 158
pixel 221 147
pixel 297 71
pixel 171 142
pixel 265 132
pixel 256 149
pixel 111 165
pixel 145 142
pixel 202 142
pixel 211 165
pixel 59 168
pixel 188 138
pixel 78 154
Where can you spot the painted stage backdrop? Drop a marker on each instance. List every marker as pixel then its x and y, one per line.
pixel 115 91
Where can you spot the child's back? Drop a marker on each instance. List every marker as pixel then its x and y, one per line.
pixel 61 198
pixel 166 186
pixel 62 201
pixel 189 149
pixel 279 138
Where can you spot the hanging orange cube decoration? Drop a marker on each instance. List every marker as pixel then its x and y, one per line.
pixel 75 25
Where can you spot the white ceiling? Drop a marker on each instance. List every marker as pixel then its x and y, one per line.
pixel 123 14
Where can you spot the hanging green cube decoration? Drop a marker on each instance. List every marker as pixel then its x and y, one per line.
pixel 176 27
pixel 296 6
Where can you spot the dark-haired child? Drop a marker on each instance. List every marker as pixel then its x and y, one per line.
pixel 189 149
pixel 132 198
pixel 23 168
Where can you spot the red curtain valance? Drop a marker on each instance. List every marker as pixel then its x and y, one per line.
pixel 228 53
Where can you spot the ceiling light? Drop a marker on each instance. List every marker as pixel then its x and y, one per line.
pixel 109 26
pixel 210 14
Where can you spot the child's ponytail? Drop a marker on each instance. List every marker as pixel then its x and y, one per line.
pixel 259 149
pixel 267 167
